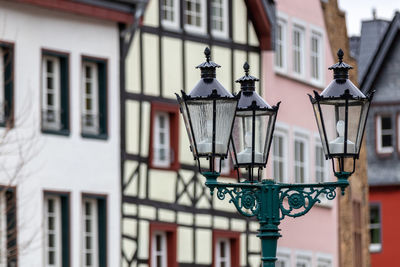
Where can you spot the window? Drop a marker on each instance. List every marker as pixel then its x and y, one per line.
pixel 303 260
pixel 195 14
pixel 226 248
pixel 6 84
pixel 325 262
pixel 94 231
pixel 300 160
pixel 320 164
pixel 283 259
pixel 94 98
pixel 164 143
pixel 280 47
pixel 375 228
pixel 223 253
pixel 170 13
pixel 56 223
pixel 163 245
pixel 280 156
pixel 219 18
pixel 8 238
pixel 298 50
pixel 316 57
pixel 55 96
pixel 384 132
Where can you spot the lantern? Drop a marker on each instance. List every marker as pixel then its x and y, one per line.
pixel 341 112
pixel 208 112
pixel 253 127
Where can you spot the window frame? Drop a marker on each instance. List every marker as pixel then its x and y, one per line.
pixel 173 111
pixel 284 135
pixel 227 251
pixel 94 96
pixel 303 257
pixel 376 247
pixel 7 84
pixel 301 138
pixel 323 169
pixel 65 218
pixel 380 150
pixel 202 29
pixel 397 123
pixel 318 34
pixel 170 231
pixel 167 24
pixel 64 74
pixel 325 259
pixel 283 255
pixel 234 239
pixel 101 223
pixel 157 144
pixel 284 26
pixel 102 98
pixel 225 20
pixel 301 49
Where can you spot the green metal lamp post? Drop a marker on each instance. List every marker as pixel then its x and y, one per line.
pixel 213 116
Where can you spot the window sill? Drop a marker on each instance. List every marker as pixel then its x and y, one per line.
pixel 384 154
pixel 375 248
pixel 62 132
pixel 102 136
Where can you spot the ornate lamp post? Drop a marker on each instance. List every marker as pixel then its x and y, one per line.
pixel 340 110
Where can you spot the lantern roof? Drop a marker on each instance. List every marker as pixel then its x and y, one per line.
pixel 249 98
pixel 341 85
pixel 209 86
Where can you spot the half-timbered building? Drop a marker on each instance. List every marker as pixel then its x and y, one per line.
pixel 168 216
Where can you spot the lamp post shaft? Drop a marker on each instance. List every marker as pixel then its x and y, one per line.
pixel 269 221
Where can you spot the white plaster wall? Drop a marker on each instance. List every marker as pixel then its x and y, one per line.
pixel 66 163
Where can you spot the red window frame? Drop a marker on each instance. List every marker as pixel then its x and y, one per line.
pixel 234 238
pixel 173 111
pixel 171 231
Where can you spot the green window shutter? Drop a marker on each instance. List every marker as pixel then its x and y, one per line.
pixel 8 92
pixel 102 228
pixel 102 67
pixel 11 235
pixel 65 231
pixel 64 93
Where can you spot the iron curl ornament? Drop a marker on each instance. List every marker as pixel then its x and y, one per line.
pixel 246 200
pixel 300 199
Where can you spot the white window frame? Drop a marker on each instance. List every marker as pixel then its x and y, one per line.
pixel 203 15
pixel 2 85
pixel 319 55
pixel 282 43
pixel 301 49
pixel 224 19
pixel 174 24
pixel 57 231
pixel 285 159
pixel 156 144
pixel 56 107
pixel 398 132
pixel 93 217
pixel 162 253
pixel 379 134
pixel 376 247
pixel 303 257
pixel 323 169
pixel 3 229
pixel 218 258
pixel 301 138
pixel 324 260
pixel 283 255
pixel 94 96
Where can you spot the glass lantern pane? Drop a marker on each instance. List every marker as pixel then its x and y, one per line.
pixel 354 116
pixel 363 119
pixel 187 126
pixel 318 117
pixel 269 128
pixel 201 116
pixel 225 113
pixel 328 120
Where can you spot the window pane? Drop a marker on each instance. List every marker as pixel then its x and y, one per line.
pixel 51 256
pixel 50 205
pixel 49 66
pixel 88 259
pixel 386 123
pixel 50 83
pixel 386 140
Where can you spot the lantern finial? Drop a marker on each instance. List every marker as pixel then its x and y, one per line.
pixel 246 68
pixel 340 55
pixel 207 52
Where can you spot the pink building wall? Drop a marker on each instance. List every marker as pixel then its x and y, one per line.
pixel 315 235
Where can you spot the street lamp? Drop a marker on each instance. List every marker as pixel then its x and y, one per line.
pixel 340 110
